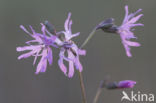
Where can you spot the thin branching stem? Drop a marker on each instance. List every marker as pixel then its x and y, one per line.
pixel 88 38
pixel 80 74
pixel 97 95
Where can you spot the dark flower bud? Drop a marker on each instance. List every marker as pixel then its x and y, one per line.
pixel 50 27
pixel 107 26
pixel 112 85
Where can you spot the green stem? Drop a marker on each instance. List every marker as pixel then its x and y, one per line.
pixel 97 95
pixel 80 74
pixel 100 88
pixel 89 37
pixel 82 88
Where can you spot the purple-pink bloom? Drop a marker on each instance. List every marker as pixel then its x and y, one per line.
pixel 125 30
pixel 72 50
pixel 126 84
pixel 38 47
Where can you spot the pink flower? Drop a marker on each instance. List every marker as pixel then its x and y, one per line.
pixel 118 85
pixel 125 30
pixel 72 50
pixel 40 47
pixel 126 84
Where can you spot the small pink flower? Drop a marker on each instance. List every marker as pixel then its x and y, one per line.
pixel 72 50
pixel 40 47
pixel 118 85
pixel 125 30
pixel 126 84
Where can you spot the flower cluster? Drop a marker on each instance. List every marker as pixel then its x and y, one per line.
pixel 41 45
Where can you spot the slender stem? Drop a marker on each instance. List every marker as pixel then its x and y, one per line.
pixel 89 37
pixel 80 74
pixel 82 88
pixel 100 88
pixel 97 95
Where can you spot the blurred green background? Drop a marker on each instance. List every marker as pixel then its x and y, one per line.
pixel 105 53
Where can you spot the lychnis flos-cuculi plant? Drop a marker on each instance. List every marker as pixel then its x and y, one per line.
pixel 43 43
